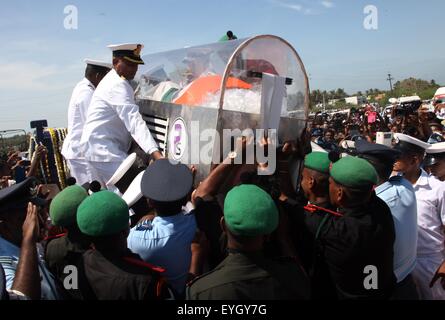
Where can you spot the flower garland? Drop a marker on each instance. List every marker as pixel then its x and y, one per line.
pixel 54 165
pixel 32 146
pixel 63 133
pixel 32 153
pixel 57 157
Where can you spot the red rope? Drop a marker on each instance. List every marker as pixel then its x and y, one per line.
pixel 144 264
pixel 312 208
pixel 54 237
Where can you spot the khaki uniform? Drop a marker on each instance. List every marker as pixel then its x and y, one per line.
pixel 120 278
pixel 244 276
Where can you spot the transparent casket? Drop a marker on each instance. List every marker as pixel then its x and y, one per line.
pixel 189 96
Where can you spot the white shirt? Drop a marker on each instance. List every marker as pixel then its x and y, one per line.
pixel 430 193
pixel 113 118
pixel 77 113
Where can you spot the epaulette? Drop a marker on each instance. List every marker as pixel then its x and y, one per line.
pixel 7 261
pixel 144 264
pixel 395 178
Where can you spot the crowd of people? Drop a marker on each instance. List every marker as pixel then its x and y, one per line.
pixel 365 220
pixel 418 120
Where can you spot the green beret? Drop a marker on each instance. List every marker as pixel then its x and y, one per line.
pixel 250 211
pixel 103 213
pixel 318 161
pixel 354 172
pixel 64 206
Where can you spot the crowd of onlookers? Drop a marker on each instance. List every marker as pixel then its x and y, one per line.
pixel 416 120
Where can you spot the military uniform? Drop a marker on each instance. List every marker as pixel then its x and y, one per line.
pixel 362 238
pixel 344 246
pixel 435 160
pixel 399 195
pixel 305 221
pixel 60 252
pixel 66 249
pixel 120 278
pixel 243 276
pixel 77 112
pixel 16 197
pixel 113 120
pixel 306 225
pixel 110 274
pixel 249 275
pixel 430 220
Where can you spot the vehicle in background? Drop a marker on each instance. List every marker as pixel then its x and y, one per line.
pixel 440 94
pixel 387 111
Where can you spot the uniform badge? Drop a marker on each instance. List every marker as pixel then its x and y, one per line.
pixel 137 51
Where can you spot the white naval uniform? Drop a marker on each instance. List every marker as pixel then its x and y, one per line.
pixel 113 119
pixel 77 112
pixel 430 195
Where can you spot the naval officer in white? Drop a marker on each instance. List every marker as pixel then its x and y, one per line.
pixel 430 198
pixel 77 112
pixel 113 117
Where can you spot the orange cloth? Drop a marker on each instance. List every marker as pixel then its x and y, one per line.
pixel 195 93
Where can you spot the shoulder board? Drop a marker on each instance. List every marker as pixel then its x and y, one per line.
pixel 144 264
pixel 395 178
pixel 7 261
pixel 60 235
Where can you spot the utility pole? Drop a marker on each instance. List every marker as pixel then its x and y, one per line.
pixel 324 105
pixel 390 79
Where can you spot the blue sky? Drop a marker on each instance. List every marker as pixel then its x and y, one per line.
pixel 41 61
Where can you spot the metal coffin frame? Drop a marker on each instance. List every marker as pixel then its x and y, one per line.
pixel 160 116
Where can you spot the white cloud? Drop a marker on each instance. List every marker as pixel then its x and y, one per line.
pixel 292 6
pixel 295 7
pixel 302 8
pixel 32 76
pixel 327 4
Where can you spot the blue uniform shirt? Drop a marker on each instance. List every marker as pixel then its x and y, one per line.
pixel 9 258
pixel 166 242
pixel 399 195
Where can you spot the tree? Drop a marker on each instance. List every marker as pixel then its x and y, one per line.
pixel 412 86
pixel 340 93
pixel 407 87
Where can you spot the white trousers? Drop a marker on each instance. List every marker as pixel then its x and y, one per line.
pixel 423 273
pixel 102 172
pixel 79 169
